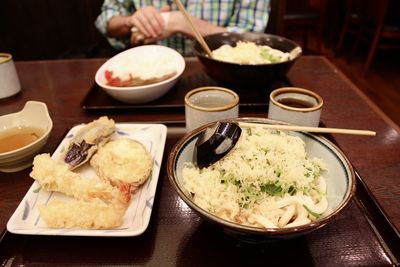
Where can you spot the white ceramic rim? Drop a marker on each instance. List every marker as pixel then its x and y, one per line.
pixel 5 57
pixel 100 71
pixel 234 103
pixel 284 90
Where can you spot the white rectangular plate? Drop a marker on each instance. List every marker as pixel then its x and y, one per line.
pixel 26 218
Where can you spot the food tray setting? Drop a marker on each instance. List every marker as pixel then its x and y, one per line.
pixel 353 238
pixel 98 100
pixel 26 218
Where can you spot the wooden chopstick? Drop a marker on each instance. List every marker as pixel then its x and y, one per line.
pixel 307 129
pixel 196 32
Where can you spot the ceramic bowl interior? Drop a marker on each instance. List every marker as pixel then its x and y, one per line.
pixel 34 114
pixel 142 93
pixel 340 183
pixel 245 75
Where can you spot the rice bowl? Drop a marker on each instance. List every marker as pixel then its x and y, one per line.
pixel 147 64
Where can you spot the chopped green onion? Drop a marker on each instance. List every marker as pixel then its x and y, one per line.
pixel 316 215
pixel 272 189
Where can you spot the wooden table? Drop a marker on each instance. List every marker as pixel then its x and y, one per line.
pixel 176 235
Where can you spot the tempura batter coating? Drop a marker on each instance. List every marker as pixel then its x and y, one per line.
pixel 123 161
pixel 87 140
pixel 55 176
pixel 89 215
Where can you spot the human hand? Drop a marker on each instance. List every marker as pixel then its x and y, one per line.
pixel 148 21
pixel 137 38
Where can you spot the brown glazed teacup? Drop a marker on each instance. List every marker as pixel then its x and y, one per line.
pixel 295 105
pixel 208 104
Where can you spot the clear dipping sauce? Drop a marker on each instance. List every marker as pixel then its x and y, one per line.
pixel 18 137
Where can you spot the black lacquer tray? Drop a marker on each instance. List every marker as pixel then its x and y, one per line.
pixel 251 98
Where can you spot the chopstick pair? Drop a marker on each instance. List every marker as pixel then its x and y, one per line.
pixel 307 129
pixel 196 32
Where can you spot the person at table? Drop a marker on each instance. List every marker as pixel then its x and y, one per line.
pixel 129 23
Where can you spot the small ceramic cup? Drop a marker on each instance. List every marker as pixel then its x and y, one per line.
pixel 295 105
pixel 208 104
pixel 9 84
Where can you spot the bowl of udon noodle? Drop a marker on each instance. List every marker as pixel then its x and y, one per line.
pixel 271 185
pixel 247 59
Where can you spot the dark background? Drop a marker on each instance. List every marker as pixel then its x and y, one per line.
pixel 56 29
pixel 51 29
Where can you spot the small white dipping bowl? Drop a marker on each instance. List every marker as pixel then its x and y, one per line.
pixel 34 114
pixel 339 177
pixel 151 54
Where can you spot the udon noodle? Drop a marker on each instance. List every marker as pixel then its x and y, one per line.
pixel 249 53
pixel 267 180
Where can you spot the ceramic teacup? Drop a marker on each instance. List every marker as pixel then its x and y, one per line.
pixel 295 105
pixel 9 82
pixel 208 104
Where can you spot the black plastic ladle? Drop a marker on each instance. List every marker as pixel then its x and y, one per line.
pixel 215 142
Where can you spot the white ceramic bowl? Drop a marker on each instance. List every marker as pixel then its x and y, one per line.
pixel 34 114
pixel 143 93
pixel 339 177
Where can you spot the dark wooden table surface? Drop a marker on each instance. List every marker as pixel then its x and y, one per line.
pixel 176 235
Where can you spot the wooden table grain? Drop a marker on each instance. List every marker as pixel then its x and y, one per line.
pixel 63 84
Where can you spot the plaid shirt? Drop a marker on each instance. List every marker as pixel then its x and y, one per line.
pixel 236 16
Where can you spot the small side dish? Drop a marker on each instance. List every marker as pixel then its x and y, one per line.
pixel 107 196
pixel 22 135
pixel 81 202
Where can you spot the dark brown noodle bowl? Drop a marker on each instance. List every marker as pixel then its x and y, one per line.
pixel 246 75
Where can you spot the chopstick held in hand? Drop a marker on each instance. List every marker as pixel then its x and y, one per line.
pixel 196 32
